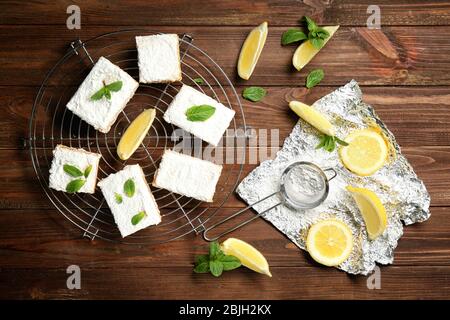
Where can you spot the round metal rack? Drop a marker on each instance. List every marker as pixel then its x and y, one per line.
pixel 51 123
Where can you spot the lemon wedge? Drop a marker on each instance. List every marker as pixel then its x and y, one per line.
pixel 251 50
pixel 366 153
pixel 313 117
pixel 247 254
pixel 135 133
pixel 329 242
pixel 372 210
pixel 306 51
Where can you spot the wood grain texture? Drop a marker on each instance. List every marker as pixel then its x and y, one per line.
pixel 403 56
pixel 227 12
pixel 418 116
pixel 404 72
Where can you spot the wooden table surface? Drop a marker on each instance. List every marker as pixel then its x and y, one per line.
pixel 404 72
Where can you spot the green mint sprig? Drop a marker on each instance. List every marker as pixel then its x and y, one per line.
pixel 328 143
pixel 106 90
pixel 317 35
pixel 216 261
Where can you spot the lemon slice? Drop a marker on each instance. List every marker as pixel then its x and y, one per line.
pixel 306 51
pixel 372 210
pixel 313 117
pixel 329 242
pixel 366 153
pixel 251 50
pixel 135 133
pixel 247 254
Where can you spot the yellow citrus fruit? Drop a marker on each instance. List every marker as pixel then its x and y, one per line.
pixel 135 133
pixel 251 50
pixel 247 254
pixel 366 153
pixel 329 242
pixel 313 117
pixel 306 51
pixel 371 209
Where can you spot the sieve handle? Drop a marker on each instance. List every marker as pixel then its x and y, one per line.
pixel 333 171
pixel 234 215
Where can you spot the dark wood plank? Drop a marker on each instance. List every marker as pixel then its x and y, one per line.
pixel 45 239
pixel 226 12
pixel 411 58
pixel 407 111
pixel 173 283
pixel 21 188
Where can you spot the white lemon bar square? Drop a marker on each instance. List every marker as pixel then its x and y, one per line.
pixel 159 58
pixel 78 158
pixel 188 176
pixel 210 130
pixel 102 113
pixel 131 212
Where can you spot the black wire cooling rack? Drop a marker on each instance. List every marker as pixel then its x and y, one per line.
pixel 51 123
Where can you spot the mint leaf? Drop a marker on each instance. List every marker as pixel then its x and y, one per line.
pixel 310 24
pixel 138 217
pixel 230 262
pixel 118 198
pixel 87 171
pixel 328 143
pixel 99 94
pixel 199 81
pixel 292 35
pixel 216 268
pixel 214 250
pixel 114 86
pixel 72 170
pixel 75 185
pixel 317 42
pixel 129 188
pixel 254 94
pixel 105 91
pixel 200 113
pixel 314 78
pixel 202 267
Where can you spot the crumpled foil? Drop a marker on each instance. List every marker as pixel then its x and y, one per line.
pixel 403 194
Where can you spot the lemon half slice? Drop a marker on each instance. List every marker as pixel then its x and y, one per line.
pixel 135 133
pixel 251 50
pixel 372 210
pixel 366 153
pixel 329 242
pixel 247 254
pixel 313 117
pixel 306 51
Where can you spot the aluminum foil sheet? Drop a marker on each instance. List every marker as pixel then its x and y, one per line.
pixel 403 194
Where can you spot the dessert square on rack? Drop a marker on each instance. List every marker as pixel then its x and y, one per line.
pixel 132 211
pixel 210 130
pixel 103 112
pixel 159 58
pixel 188 176
pixel 78 158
